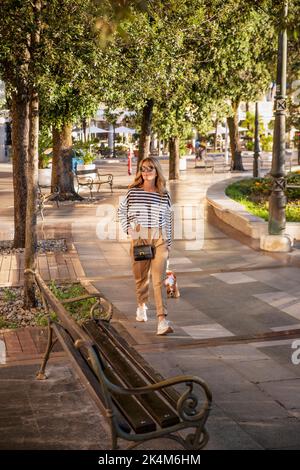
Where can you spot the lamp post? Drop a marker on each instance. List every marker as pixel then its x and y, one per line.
pixel 256 156
pixel 277 240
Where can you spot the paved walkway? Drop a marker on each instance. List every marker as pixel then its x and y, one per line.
pixel 235 322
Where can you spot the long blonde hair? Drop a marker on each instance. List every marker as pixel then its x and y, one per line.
pixel 160 181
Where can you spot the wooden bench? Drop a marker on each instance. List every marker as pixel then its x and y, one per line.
pixel 44 197
pixel 204 163
pixel 138 403
pixel 213 163
pixel 91 178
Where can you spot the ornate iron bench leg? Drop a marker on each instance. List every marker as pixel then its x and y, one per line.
pixel 41 373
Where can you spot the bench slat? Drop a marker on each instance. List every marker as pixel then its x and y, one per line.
pixel 85 374
pixel 159 409
pixel 139 362
pixel 86 172
pixel 136 417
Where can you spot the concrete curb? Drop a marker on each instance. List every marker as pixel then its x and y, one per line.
pixel 235 215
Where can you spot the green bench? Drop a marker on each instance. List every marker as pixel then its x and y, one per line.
pixel 93 177
pixel 137 401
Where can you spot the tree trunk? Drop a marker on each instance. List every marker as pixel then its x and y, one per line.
pixel 174 158
pixel 158 146
pixel 31 216
pixel 62 176
pixel 299 149
pixel 235 144
pixel 216 135
pixel 20 133
pixel 152 144
pixel 32 169
pixel 84 129
pixel 144 144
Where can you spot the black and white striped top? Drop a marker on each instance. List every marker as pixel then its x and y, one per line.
pixel 147 209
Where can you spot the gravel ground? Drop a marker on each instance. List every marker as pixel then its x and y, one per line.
pixel 6 246
pixel 12 313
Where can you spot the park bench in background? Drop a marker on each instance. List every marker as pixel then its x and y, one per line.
pixel 214 162
pixel 46 194
pixel 138 403
pixel 93 177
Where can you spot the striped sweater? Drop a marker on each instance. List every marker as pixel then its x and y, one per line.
pixel 147 209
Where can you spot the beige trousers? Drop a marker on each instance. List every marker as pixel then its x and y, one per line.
pixel 157 266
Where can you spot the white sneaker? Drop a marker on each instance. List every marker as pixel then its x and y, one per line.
pixel 141 313
pixel 164 328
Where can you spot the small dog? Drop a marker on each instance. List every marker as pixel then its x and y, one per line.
pixel 171 284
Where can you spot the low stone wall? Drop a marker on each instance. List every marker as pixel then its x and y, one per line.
pixel 235 215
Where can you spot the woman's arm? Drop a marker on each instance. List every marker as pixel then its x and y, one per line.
pixel 123 214
pixel 169 222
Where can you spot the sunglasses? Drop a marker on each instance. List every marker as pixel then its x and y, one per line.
pixel 145 169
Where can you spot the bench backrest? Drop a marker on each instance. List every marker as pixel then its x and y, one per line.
pixel 86 172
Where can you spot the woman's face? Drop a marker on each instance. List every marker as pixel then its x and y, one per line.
pixel 148 171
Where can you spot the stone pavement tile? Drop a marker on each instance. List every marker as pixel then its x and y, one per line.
pixel 180 319
pixel 274 434
pixel 293 310
pixel 286 392
pixel 75 402
pixel 167 366
pixel 211 330
pixel 294 326
pixel 53 414
pixel 118 264
pixel 264 345
pixel 281 352
pixel 234 278
pixel 225 434
pixel 97 270
pixel 19 436
pixel 283 301
pixel 285 278
pixel 96 256
pixel 126 307
pixel 240 316
pixel 279 298
pixel 184 282
pixel 16 408
pixel 97 266
pixel 264 370
pixel 237 353
pixel 143 332
pixel 182 304
pixel 86 248
pixel 221 377
pixel 272 317
pixel 182 260
pixel 114 294
pixel 250 406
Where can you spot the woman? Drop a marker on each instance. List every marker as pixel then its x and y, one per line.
pixel 145 215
